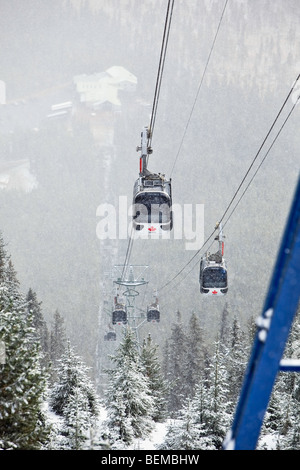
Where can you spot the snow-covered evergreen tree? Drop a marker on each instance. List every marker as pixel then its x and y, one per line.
pixel 201 404
pixel 177 366
pixel 3 260
pixel 40 326
pixel 291 385
pixel 275 419
pixel 224 328
pixel 78 419
pixel 212 403
pixel 202 423
pixel 129 401
pixel 195 355
pixel 22 382
pixel 58 343
pixel 281 422
pixel 157 385
pixel 237 359
pixel 74 399
pixel 184 432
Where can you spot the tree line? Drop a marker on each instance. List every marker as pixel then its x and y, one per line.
pixel 206 386
pixel 48 401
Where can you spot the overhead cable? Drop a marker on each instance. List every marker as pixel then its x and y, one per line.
pixel 200 85
pixel 162 58
pixel 245 176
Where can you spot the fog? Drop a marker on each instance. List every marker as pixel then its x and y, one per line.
pixel 78 80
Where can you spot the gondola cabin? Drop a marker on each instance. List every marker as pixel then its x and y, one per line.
pixel 152 204
pixel 213 276
pixel 110 336
pixel 153 314
pixel 119 315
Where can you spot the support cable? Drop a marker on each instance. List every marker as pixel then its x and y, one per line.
pixel 164 45
pixel 162 58
pixel 200 85
pixel 243 180
pixel 259 166
pixel 263 143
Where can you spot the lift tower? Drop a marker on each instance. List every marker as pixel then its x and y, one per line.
pixel 133 277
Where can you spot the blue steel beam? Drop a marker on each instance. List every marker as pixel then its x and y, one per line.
pixel 290 365
pixel 272 333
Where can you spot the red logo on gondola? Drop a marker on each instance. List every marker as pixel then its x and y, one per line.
pixel 214 292
pixel 152 229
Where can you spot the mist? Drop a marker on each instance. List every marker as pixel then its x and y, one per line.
pixel 78 80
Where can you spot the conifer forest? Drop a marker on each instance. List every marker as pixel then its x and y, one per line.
pixel 78 83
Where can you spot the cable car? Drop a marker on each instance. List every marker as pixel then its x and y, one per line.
pixel 213 276
pixel 110 336
pixel 152 203
pixel 152 196
pixel 153 314
pixel 119 315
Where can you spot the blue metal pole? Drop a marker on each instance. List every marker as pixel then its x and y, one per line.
pixel 273 330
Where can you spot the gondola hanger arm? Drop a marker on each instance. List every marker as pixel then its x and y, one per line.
pixel 145 150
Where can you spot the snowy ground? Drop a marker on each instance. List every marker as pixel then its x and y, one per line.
pixel 154 440
pixel 151 443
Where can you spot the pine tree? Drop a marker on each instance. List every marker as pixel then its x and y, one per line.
pixel 12 284
pixel 129 402
pixel 183 433
pixel 237 354
pixel 224 329
pixel 292 387
pixel 22 382
pixel 40 326
pixel 281 422
pixel 58 343
pixel 74 399
pixel 157 385
pixel 251 330
pixel 201 405
pixel 195 358
pixel 71 373
pixel 3 260
pixel 212 402
pixel 177 367
pixel 276 423
pixel 77 419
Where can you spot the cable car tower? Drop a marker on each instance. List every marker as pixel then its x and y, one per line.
pixel 273 327
pixel 131 281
